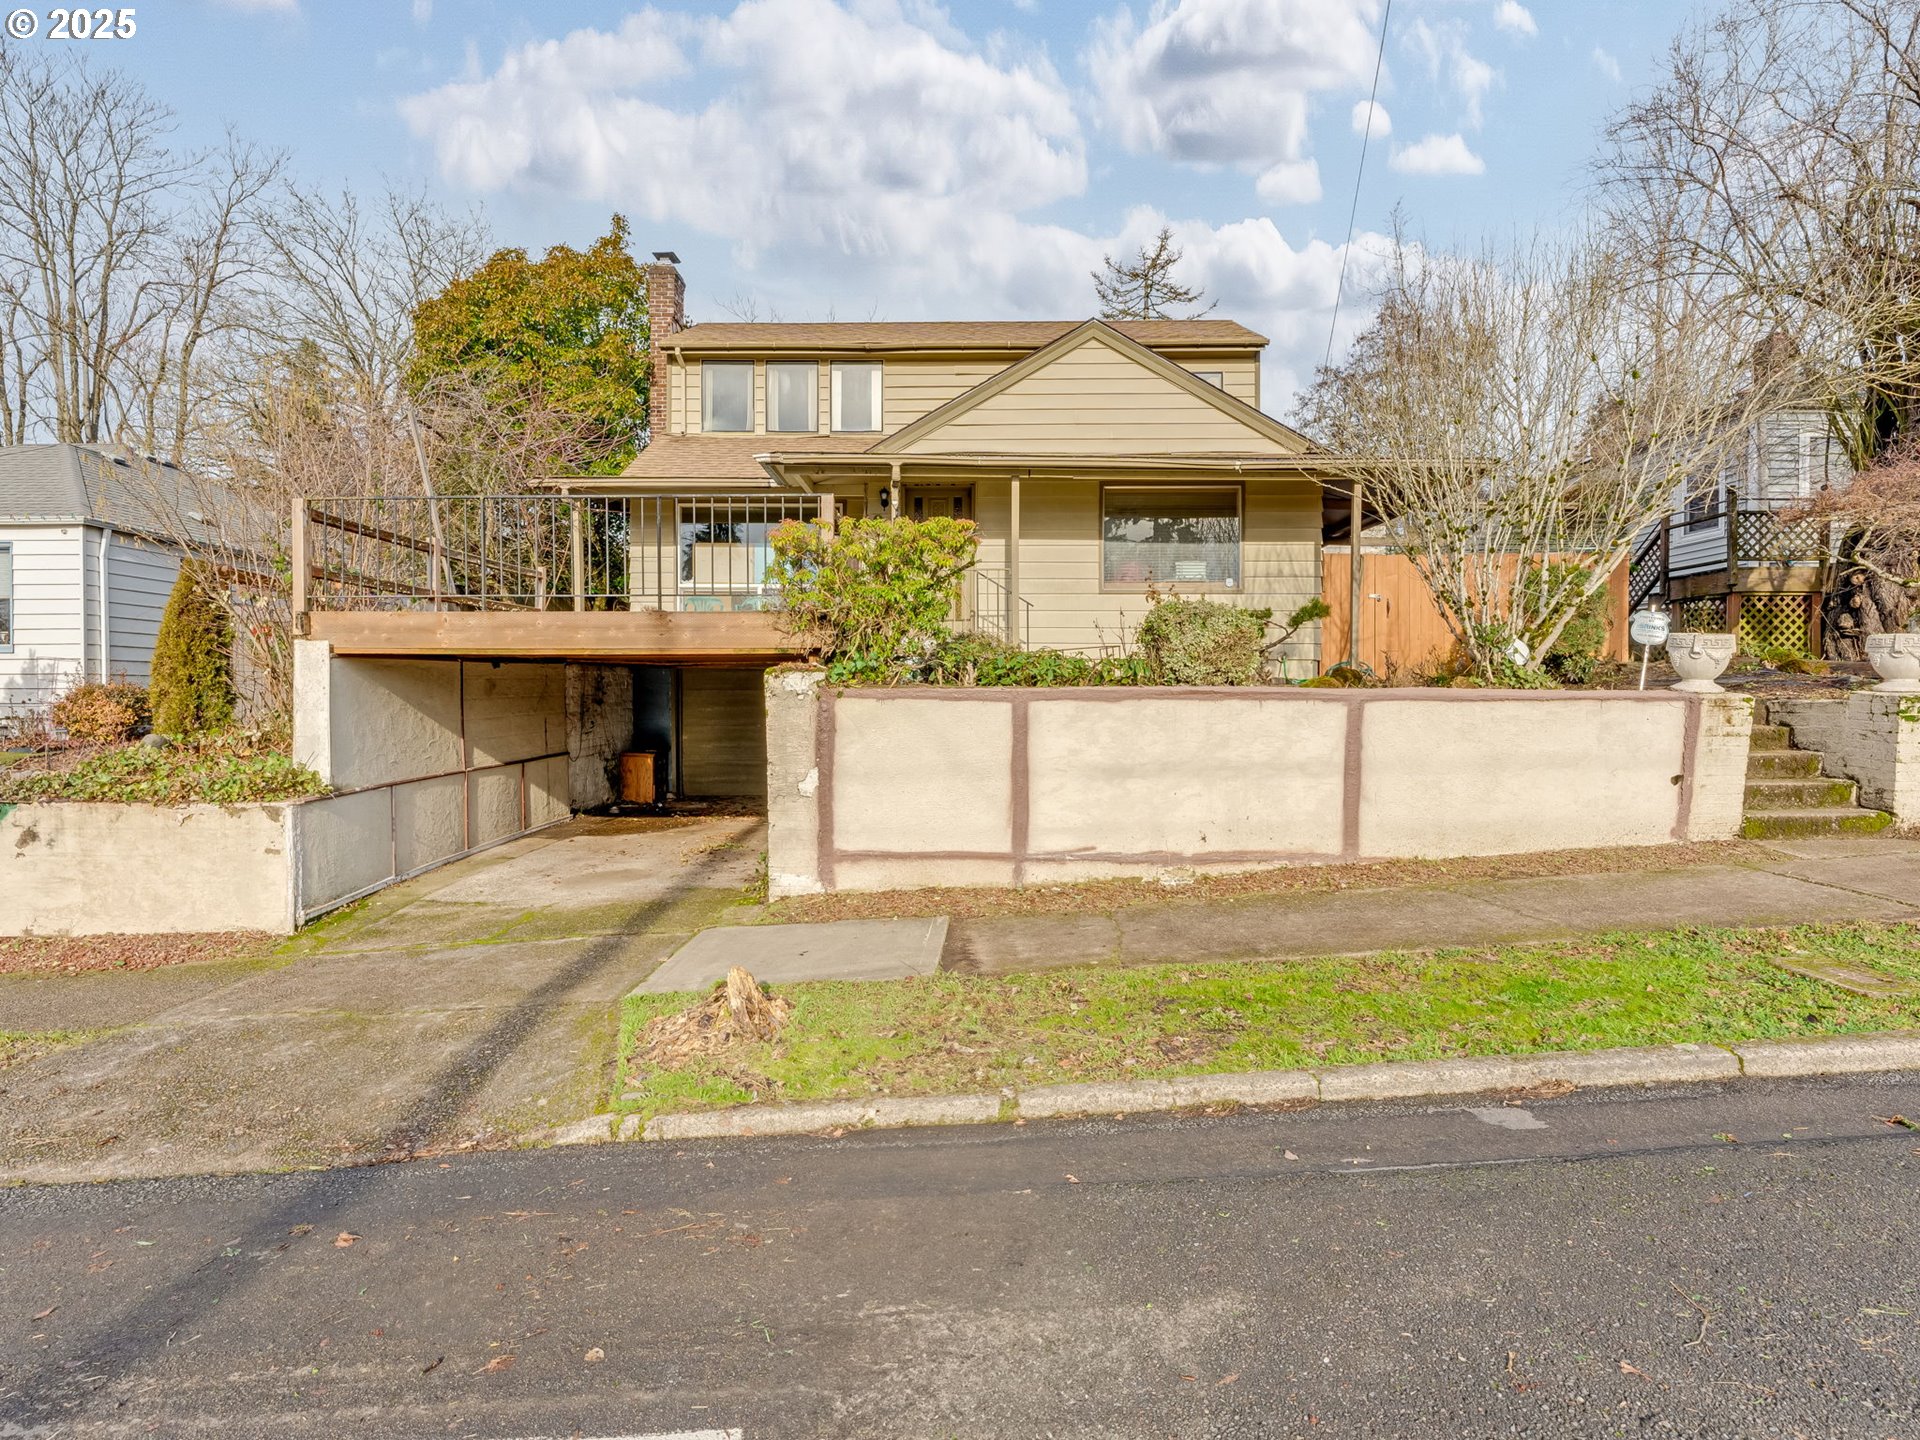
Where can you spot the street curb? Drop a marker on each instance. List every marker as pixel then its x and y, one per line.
pixel 1387 1080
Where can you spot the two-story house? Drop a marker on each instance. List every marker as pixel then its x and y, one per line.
pixel 1100 461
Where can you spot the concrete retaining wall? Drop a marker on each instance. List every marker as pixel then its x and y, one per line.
pixel 1870 738
pixel 71 869
pixel 430 759
pixel 872 789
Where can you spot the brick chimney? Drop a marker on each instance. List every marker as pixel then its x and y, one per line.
pixel 667 312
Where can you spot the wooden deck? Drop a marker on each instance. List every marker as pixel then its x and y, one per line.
pixel 614 637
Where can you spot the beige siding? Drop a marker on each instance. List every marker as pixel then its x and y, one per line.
pixel 1060 569
pixel 1093 400
pixel 723 733
pixel 912 388
pixel 1239 373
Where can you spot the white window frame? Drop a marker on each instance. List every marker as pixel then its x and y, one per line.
pixel 1810 442
pixel 840 369
pixel 707 368
pixel 1232 586
pixel 1215 378
pixel 8 584
pixel 812 367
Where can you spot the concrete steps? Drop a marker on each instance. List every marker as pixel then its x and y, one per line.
pixel 1788 795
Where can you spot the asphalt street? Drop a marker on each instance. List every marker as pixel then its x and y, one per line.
pixel 1708 1262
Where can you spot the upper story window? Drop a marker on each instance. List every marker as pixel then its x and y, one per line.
pixel 856 395
pixel 726 395
pixel 793 395
pixel 6 597
pixel 1215 378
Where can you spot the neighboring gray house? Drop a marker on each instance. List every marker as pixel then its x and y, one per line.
pixel 1731 556
pixel 87 559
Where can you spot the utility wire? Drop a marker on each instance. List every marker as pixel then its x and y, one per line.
pixel 1360 170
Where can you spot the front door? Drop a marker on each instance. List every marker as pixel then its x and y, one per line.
pixel 923 502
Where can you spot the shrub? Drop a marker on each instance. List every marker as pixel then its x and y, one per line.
pixel 103 714
pixel 192 661
pixel 873 596
pixel 1199 642
pixel 1575 655
pixel 219 770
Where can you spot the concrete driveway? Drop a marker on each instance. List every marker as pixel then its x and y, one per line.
pixel 468 1007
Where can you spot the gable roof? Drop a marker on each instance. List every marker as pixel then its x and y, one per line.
pixel 77 484
pixel 877 336
pixel 1289 440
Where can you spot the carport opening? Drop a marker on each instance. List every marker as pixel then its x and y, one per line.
pixel 706 727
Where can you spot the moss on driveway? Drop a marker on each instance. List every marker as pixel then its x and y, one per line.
pixel 17 1047
pixel 948 1033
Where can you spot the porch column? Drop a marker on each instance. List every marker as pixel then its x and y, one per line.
pixel 893 491
pixel 1013 563
pixel 1354 567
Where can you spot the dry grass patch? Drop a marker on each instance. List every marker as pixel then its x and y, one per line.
pixel 1092 897
pixel 86 954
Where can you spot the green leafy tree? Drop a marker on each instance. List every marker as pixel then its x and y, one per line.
pixel 559 342
pixel 192 687
pixel 873 596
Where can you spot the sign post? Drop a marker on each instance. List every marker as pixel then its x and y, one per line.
pixel 1648 628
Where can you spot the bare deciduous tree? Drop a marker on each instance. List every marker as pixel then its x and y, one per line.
pixel 1524 406
pixel 1775 163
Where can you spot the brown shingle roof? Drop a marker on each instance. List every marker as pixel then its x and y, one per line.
pixel 951 335
pixel 717 458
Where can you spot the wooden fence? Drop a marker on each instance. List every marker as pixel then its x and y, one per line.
pixel 1400 626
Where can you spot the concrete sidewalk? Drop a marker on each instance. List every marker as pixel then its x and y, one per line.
pixel 1793 882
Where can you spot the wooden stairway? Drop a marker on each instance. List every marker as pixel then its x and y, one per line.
pixel 1788 793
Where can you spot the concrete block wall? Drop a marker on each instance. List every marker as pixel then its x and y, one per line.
pixel 1870 738
pixel 880 789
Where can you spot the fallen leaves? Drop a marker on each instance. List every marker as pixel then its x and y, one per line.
pixel 595 1355
pixel 300 1230
pixel 1626 1369
pixel 344 1240
pixel 46 1312
pixel 497 1365
pixel 1902 1121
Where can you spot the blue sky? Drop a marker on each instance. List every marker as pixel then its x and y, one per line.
pixel 899 159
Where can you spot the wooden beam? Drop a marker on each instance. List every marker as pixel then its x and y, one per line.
pixel 1014 637
pixel 633 637
pixel 302 565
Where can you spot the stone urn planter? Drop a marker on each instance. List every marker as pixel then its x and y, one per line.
pixel 1896 660
pixel 1701 657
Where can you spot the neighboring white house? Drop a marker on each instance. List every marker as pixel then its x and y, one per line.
pixel 86 565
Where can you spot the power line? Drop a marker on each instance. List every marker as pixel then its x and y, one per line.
pixel 1360 170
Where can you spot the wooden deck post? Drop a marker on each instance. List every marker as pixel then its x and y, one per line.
pixel 578 539
pixel 302 565
pixel 1354 564
pixel 1014 637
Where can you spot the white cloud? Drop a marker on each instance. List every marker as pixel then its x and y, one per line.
pixel 1443 48
pixel 793 152
pixel 1382 122
pixel 422 11
pixel 263 7
pixel 1291 182
pixel 1604 62
pixel 1437 155
pixel 1511 15
pixel 1228 82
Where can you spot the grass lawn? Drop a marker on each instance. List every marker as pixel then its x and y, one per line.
pixel 952 1033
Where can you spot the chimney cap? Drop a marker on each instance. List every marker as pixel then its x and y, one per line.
pixel 667 256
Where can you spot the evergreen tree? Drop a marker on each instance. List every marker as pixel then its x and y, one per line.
pixel 1143 288
pixel 192 687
